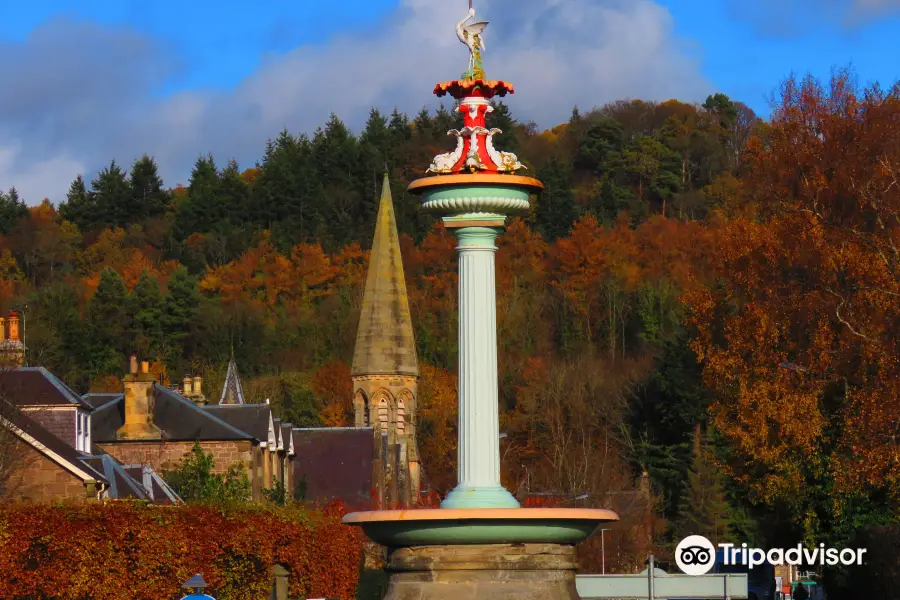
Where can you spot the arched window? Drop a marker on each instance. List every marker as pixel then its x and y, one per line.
pixel 383 413
pixel 360 410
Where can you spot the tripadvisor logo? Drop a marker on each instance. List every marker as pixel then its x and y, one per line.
pixel 696 555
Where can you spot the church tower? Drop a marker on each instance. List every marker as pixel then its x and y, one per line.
pixel 385 369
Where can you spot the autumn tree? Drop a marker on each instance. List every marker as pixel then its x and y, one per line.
pixel 797 336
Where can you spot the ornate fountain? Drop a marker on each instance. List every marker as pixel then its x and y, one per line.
pixel 480 543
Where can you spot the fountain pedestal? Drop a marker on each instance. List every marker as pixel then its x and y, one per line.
pixel 513 571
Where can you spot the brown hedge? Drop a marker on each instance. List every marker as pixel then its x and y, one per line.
pixel 131 551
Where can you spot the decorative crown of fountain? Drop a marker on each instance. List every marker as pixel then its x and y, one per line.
pixel 475 152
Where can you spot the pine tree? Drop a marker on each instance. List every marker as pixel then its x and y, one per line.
pixel 148 199
pixel 703 509
pixel 12 210
pixel 113 196
pixel 108 322
pixel 80 206
pixel 147 306
pixel 180 309
pixel 556 206
pixel 501 119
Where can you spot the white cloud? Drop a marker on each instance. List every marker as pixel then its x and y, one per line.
pixel 558 53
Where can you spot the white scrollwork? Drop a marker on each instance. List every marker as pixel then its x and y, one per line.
pixel 444 163
pixel 505 161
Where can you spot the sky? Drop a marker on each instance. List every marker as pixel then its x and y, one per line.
pixel 83 82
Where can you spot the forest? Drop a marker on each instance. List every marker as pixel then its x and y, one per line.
pixel 698 294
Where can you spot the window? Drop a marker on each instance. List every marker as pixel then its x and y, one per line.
pixel 82 432
pixel 79 445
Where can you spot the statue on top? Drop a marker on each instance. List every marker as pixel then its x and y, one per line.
pixel 470 35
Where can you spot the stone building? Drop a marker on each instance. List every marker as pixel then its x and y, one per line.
pixel 47 451
pixel 377 458
pixel 153 425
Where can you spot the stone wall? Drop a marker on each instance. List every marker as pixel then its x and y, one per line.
pixel 162 454
pixel 39 479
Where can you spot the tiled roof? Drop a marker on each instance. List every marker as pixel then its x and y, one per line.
pixel 335 463
pixel 178 419
pixel 36 386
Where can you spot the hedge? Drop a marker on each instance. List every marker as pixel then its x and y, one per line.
pixel 133 551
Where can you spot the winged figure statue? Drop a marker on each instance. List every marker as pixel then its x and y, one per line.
pixel 470 34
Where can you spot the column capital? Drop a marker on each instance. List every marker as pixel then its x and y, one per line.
pixel 477 237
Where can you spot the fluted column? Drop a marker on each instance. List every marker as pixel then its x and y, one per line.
pixel 479 435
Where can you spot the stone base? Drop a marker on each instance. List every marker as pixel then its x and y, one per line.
pixel 486 572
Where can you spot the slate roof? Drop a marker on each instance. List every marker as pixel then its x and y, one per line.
pixel 36 386
pixel 96 400
pixel 336 462
pixel 177 418
pixel 251 418
pixel 31 432
pixel 232 390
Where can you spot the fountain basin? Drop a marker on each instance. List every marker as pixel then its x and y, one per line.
pixel 475 194
pixel 448 526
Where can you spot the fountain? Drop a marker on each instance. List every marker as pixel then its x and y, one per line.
pixel 480 543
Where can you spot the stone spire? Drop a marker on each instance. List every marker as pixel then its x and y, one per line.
pixel 385 344
pixel 232 392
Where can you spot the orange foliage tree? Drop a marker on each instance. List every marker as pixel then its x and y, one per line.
pixel 798 337
pixel 437 425
pixel 332 387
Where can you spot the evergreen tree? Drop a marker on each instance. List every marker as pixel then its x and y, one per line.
pixel 147 194
pixel 147 310
pixel 80 206
pixel 202 210
pixel 501 119
pixel 556 206
pixel 401 132
pixel 108 322
pixel 180 309
pixel 600 146
pixel 12 210
pixel 703 509
pixel 113 197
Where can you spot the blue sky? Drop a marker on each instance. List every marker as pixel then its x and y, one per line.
pixel 93 80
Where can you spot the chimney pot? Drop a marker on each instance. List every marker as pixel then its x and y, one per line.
pixel 133 365
pixel 188 390
pixel 145 366
pixel 2 328
pixel 198 382
pixel 14 326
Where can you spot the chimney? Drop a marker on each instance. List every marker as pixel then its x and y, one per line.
pixel 139 405
pixel 132 365
pixel 2 328
pixel 14 326
pixel 188 389
pixel 197 385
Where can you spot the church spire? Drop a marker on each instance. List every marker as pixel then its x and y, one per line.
pixel 384 342
pixel 232 392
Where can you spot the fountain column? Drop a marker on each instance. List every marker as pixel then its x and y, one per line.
pixel 479 427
